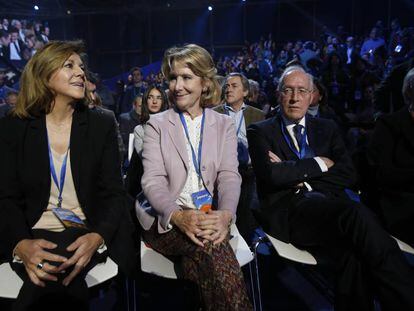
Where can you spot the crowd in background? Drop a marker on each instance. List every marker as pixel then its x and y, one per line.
pixel 19 41
pixel 348 68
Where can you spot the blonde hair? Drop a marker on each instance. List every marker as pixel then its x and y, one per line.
pixel 35 96
pixel 201 63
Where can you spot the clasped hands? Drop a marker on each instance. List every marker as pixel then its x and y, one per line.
pixel 202 227
pixel 36 257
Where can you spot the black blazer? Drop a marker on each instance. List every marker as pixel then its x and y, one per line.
pixel 391 153
pixel 276 181
pixel 25 180
pixel 390 89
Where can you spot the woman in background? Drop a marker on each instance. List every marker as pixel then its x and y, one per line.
pixel 154 101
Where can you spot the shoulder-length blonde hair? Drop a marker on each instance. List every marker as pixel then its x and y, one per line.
pixel 35 96
pixel 201 63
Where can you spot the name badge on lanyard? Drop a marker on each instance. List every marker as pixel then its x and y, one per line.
pixel 65 216
pixel 201 199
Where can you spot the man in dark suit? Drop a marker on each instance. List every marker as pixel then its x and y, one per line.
pixel 137 87
pixel 391 154
pixel 388 97
pixel 236 91
pixel 303 171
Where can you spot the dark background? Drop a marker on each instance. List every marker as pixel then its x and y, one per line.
pixel 124 33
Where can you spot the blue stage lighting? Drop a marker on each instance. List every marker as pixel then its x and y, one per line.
pixel 36 7
pixel 210 8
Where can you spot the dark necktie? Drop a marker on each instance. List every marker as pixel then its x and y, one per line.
pixel 16 46
pixel 298 131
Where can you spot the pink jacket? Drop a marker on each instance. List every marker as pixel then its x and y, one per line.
pixel 166 164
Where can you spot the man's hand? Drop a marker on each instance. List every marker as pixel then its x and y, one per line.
pixel 274 158
pixel 328 162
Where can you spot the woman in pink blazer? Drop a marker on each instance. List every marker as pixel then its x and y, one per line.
pixel 191 180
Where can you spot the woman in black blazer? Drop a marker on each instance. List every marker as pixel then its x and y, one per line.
pixel 391 152
pixel 61 193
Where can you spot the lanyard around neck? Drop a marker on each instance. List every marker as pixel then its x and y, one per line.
pixel 241 119
pixel 61 182
pixel 196 161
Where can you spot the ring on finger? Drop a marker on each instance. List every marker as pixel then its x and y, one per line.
pixel 40 265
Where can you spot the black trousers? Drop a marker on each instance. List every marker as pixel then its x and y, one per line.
pixel 55 296
pixel 245 220
pixel 368 260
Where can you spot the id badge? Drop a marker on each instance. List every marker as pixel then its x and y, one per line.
pixel 68 218
pixel 202 200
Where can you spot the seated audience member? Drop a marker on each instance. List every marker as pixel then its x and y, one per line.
pixel 391 151
pixel 16 49
pixel 11 100
pixel 371 44
pixel 155 101
pixel 189 156
pixel 61 192
pixel 131 92
pixel 319 106
pixel 253 97
pixel 129 120
pixel 388 96
pixel 96 104
pixel 236 90
pixel 302 171
pixel 4 89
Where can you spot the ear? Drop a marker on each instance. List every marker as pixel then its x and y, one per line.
pixel 206 85
pixel 245 94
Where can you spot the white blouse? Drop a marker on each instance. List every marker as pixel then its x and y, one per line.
pixel 192 184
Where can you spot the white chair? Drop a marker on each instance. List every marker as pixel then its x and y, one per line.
pixel 10 282
pixel 404 246
pixel 157 264
pixel 291 252
pixel 130 145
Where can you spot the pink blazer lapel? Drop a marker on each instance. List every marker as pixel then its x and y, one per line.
pixel 177 136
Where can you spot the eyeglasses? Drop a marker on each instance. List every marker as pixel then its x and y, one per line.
pixel 302 92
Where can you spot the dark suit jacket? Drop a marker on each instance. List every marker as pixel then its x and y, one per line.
pixel 127 122
pixel 25 180
pixel 391 152
pixel 251 114
pixel 276 181
pixel 390 89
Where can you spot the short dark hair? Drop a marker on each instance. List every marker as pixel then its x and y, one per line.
pixel 135 69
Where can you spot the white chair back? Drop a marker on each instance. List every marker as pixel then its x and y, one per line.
pixel 157 264
pixel 10 282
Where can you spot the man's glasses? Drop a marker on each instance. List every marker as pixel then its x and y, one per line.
pixel 302 92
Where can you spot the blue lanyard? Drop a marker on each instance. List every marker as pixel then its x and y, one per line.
pixel 301 144
pixel 241 119
pixel 62 173
pixel 196 162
